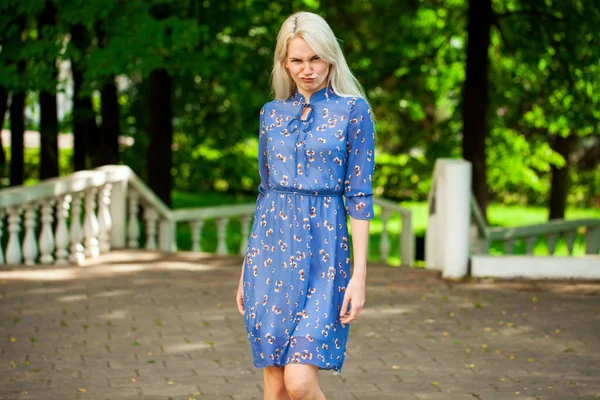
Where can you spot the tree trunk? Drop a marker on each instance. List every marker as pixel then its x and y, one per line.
pixel 560 177
pixel 85 130
pixel 48 109
pixel 110 128
pixel 3 109
pixel 475 96
pixel 17 131
pixel 160 158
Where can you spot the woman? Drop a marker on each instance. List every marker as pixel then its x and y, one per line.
pixel 315 145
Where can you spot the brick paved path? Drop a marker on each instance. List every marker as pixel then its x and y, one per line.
pixel 144 325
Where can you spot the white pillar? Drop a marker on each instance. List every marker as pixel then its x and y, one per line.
pixel 46 234
pixel 30 247
pixel 104 220
pixel 61 235
pixel 1 227
pixel 76 232
pixel 118 215
pixel 133 226
pixel 90 225
pixel 449 228
pixel 13 247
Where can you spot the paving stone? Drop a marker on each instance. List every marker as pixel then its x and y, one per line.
pixel 165 333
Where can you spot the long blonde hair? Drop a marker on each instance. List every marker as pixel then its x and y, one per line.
pixel 318 35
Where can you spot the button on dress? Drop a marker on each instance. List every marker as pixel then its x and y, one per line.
pixel 297 264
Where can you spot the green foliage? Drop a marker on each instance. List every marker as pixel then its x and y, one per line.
pixel 544 75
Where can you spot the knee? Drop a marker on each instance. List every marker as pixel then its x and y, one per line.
pixel 298 388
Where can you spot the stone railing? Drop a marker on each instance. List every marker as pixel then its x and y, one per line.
pixel 458 240
pixel 91 212
pixel 483 236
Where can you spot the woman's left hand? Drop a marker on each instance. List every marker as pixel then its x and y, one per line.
pixel 355 295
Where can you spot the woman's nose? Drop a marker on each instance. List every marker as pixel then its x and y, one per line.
pixel 307 68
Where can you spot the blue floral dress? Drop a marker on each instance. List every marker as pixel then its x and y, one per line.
pixel 297 264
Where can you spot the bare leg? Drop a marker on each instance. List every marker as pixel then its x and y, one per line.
pixel 274 384
pixel 302 382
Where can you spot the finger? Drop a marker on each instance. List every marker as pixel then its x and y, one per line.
pixel 344 309
pixel 240 304
pixel 352 316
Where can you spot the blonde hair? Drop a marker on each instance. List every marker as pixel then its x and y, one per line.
pixel 318 35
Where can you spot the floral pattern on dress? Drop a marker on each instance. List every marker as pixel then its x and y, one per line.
pixel 297 264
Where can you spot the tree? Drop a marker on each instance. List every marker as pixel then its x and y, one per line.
pixel 3 109
pixel 85 130
pixel 48 108
pixel 475 97
pixel 110 129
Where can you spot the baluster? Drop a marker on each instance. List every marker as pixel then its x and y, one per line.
pixel 151 218
pixel 221 234
pixel 1 231
pixel 46 234
pixel 13 248
pixel 592 240
pixel 61 236
pixel 384 245
pixel 90 225
pixel 570 239
pixel 30 248
pixel 196 227
pixel 76 232
pixel 530 243
pixel 133 226
pixel 104 219
pixel 245 220
pixel 551 240
pixel 508 246
pixel 407 241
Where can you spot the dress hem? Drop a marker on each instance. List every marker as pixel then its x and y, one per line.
pixel 271 364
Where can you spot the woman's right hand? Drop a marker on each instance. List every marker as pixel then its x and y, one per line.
pixel 239 297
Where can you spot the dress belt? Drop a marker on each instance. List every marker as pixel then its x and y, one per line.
pixel 304 192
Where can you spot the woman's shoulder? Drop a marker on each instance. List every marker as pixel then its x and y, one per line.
pixel 357 104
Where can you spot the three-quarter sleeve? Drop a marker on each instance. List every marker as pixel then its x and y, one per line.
pixel 263 160
pixel 358 187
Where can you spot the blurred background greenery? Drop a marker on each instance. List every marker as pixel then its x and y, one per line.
pixel 173 88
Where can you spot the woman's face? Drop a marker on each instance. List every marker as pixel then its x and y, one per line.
pixel 306 68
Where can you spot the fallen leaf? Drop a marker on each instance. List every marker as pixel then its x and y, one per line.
pixel 395 367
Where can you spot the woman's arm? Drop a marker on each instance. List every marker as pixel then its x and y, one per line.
pixel 355 291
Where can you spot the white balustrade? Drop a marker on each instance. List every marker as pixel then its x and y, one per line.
pixel 90 225
pixel 104 219
pixel 530 243
pixel 196 227
pixel 551 241
pixel 222 234
pixel 151 218
pixel 77 256
pixel 13 248
pixel 133 225
pixel 61 235
pixel 245 222
pixel 30 248
pixel 90 205
pixel 46 234
pixel 384 245
pixel 1 231
pixel 570 239
pixel 592 240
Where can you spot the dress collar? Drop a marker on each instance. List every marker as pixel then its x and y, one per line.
pixel 319 95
